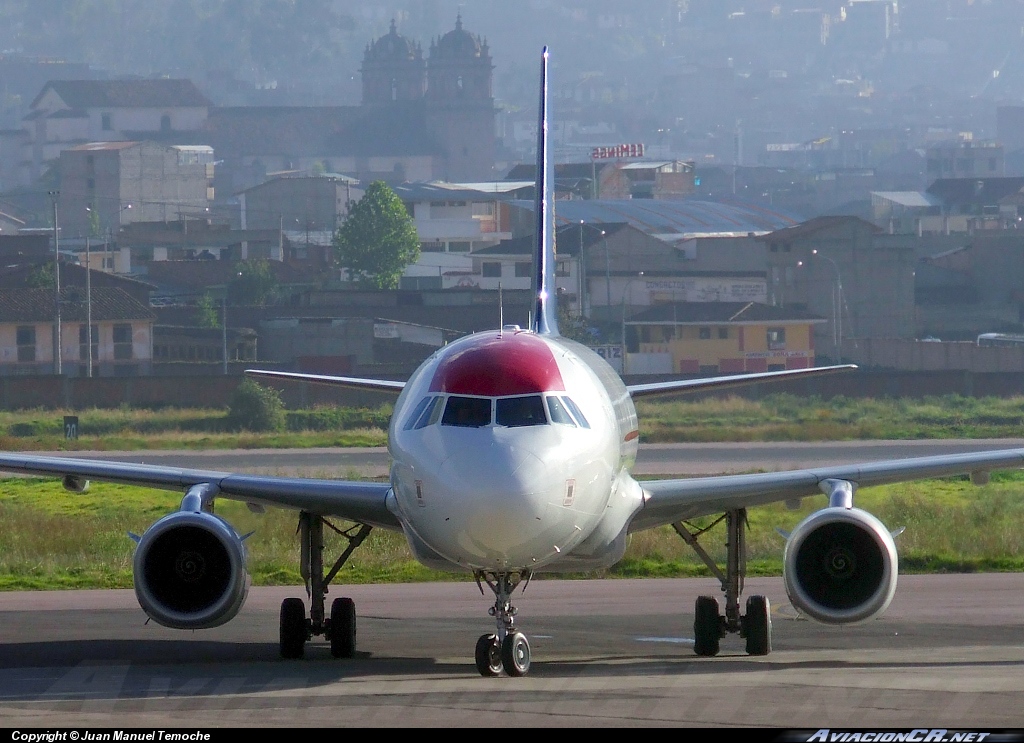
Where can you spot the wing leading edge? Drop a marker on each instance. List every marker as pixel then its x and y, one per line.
pixel 359 383
pixel 364 502
pixel 737 380
pixel 669 501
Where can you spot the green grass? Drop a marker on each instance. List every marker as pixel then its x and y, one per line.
pixel 774 418
pixel 55 539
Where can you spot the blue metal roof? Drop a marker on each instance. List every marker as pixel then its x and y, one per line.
pixel 690 217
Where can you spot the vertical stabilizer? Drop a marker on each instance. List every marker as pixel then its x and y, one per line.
pixel 545 315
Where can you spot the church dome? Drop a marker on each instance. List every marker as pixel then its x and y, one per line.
pixel 458 44
pixel 392 47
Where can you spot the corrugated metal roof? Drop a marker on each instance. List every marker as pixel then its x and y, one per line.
pixel 689 313
pixel 674 220
pixel 908 198
pixel 36 305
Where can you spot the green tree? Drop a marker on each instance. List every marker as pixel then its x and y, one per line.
pixel 40 277
pixel 207 315
pixel 253 283
pixel 254 407
pixel 572 326
pixel 377 240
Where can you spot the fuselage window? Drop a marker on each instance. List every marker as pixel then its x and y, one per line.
pixel 418 412
pixel 558 413
pixel 520 411
pixel 472 412
pixel 574 409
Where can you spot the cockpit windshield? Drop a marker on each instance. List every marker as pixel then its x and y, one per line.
pixel 527 410
pixel 470 412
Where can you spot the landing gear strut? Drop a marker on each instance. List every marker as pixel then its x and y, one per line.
pixel 340 627
pixel 505 650
pixel 709 625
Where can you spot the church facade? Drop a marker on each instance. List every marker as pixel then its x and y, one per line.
pixel 450 89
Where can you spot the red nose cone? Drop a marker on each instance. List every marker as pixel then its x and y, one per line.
pixel 492 366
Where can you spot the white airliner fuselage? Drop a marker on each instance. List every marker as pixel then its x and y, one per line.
pixel 511 451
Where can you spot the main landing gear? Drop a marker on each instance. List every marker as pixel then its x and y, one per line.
pixel 710 626
pixel 506 650
pixel 340 627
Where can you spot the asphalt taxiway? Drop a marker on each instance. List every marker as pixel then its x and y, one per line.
pixel 948 653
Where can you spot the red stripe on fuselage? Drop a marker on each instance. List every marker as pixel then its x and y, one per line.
pixel 495 365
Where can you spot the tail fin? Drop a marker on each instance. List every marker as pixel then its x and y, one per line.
pixel 545 316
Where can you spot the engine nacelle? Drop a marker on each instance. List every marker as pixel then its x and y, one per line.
pixel 190 571
pixel 840 566
pixel 74 483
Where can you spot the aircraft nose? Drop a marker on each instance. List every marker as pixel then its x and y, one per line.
pixel 499 505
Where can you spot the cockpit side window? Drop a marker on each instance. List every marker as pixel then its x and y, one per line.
pixel 520 411
pixel 558 413
pixel 417 412
pixel 471 412
pixel 430 414
pixel 577 413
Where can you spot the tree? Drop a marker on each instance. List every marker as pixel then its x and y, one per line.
pixel 40 277
pixel 206 313
pixel 253 283
pixel 377 240
pixel 254 407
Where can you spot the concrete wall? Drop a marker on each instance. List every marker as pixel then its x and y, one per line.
pixel 215 390
pixel 907 355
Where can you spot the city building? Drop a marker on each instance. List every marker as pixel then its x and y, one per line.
pixel 718 338
pixel 105 185
pixel 122 332
pixel 67 113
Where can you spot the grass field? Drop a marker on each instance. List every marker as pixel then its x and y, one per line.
pixel 56 539
pixel 774 418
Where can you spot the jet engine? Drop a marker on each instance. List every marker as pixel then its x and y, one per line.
pixel 840 566
pixel 190 571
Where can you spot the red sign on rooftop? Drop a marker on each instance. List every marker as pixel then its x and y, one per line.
pixel 617 151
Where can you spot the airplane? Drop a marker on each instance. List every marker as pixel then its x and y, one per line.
pixel 511 454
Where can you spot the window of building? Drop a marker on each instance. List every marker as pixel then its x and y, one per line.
pixel 83 342
pixel 562 268
pixel 123 341
pixel 704 334
pixel 723 333
pixel 776 338
pixel 105 122
pixel 524 270
pixel 26 336
pixel 165 123
pixel 459 246
pixel 490 270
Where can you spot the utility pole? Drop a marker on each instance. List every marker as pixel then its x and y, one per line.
pixel 57 369
pixel 88 312
pixel 224 329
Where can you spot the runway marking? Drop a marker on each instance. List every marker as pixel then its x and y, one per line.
pixel 674 640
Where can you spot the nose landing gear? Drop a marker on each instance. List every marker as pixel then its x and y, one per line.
pixel 506 650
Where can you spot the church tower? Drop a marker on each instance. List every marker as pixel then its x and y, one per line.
pixel 460 112
pixel 393 70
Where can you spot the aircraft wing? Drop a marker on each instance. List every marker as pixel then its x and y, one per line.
pixel 706 384
pixel 669 501
pixel 359 383
pixel 354 501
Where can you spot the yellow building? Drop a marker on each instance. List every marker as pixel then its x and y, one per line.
pixel 719 337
